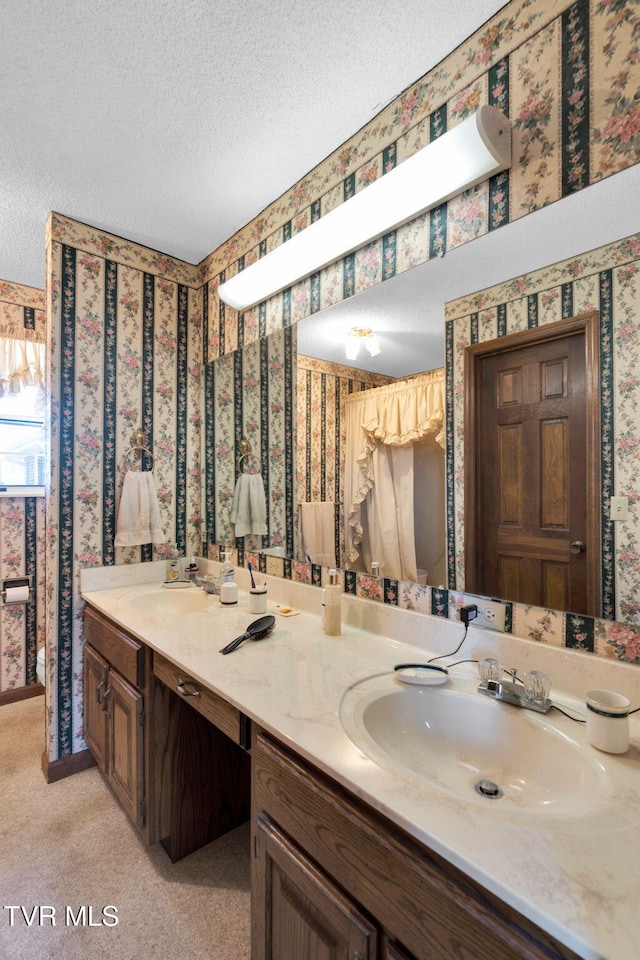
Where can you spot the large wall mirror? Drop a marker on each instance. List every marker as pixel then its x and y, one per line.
pixel 407 315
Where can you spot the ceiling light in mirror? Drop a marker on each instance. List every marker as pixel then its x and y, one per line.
pixel 364 336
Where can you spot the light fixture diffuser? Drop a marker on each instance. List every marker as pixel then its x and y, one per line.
pixel 475 149
pixel 361 335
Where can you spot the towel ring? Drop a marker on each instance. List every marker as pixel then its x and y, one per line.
pixel 245 458
pixel 245 450
pixel 138 447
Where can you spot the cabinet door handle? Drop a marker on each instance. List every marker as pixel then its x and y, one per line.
pixel 186 693
pixel 104 698
pixel 98 688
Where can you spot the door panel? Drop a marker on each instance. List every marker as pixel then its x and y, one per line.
pixel 531 480
pixel 96 669
pixel 125 745
pixel 306 914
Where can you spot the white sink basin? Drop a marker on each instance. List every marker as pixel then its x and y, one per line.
pixel 454 738
pixel 160 600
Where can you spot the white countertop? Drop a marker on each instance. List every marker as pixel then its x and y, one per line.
pixel 578 878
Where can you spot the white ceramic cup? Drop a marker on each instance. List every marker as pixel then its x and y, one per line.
pixel 258 599
pixel 229 592
pixel 608 721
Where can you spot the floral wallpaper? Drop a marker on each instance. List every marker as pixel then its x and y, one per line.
pixel 125 343
pixel 22 519
pixel 249 395
pixel 606 280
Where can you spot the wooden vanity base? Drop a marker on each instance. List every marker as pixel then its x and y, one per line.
pixel 203 778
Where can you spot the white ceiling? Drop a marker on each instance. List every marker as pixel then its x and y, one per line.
pixel 175 123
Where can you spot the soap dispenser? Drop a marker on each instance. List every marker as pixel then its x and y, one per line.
pixel 173 567
pixel 333 605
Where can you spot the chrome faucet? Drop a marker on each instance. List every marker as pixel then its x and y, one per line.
pixel 509 691
pixel 209 583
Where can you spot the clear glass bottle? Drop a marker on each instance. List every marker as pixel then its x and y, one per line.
pixel 333 605
pixel 226 570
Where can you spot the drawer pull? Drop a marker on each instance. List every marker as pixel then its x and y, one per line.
pixel 186 693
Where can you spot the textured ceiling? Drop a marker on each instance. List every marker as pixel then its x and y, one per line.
pixel 174 124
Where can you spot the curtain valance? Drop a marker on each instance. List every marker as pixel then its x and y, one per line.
pixel 396 415
pixel 402 412
pixel 22 364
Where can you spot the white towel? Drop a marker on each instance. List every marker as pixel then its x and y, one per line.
pixel 249 510
pixel 318 532
pixel 138 512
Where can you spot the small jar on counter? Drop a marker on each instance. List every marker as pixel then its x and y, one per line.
pixel 229 592
pixel 258 598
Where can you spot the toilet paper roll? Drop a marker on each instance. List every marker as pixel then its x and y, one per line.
pixel 16 594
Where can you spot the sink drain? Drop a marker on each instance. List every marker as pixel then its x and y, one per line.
pixel 487 788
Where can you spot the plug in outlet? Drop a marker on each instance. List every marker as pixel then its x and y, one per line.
pixel 491 614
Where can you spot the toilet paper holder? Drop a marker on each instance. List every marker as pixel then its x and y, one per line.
pixel 13 583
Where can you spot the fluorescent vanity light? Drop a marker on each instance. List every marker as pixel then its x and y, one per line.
pixel 475 149
pixel 358 335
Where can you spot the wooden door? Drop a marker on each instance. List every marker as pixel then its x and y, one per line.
pixel 125 739
pixel 96 669
pixel 532 494
pixel 303 913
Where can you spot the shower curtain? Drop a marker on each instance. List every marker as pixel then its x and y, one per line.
pixel 381 427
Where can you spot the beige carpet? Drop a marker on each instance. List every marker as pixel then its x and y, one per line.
pixel 69 844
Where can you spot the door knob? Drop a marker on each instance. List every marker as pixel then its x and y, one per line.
pixel 577 547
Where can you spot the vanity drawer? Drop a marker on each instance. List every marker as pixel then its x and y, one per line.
pixel 120 649
pixel 221 714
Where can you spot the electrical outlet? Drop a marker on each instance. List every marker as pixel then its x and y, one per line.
pixel 491 613
pixel 619 508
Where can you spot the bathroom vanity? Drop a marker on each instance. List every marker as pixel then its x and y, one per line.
pixel 328 869
pixel 345 851
pixel 118 715
pixel 174 753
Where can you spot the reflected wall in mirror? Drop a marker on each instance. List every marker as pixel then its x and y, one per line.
pixel 249 394
pixel 604 280
pixel 292 411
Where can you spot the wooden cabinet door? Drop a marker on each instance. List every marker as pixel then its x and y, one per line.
pixel 123 706
pixel 298 911
pixel 391 951
pixel 96 670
